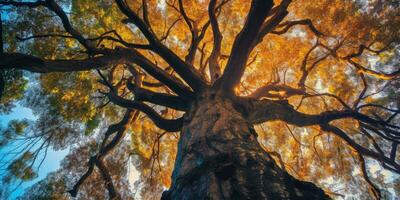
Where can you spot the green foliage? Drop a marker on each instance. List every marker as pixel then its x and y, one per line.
pixel 51 188
pixel 67 110
pixel 69 94
pixel 20 168
pixel 14 87
pixel 91 125
pixel 19 126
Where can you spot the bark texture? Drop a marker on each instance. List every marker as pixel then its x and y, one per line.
pixel 219 157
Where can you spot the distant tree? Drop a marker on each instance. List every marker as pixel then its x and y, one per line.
pixel 237 99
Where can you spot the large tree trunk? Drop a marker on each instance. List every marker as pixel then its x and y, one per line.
pixel 219 157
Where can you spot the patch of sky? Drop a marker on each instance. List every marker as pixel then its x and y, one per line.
pixel 50 163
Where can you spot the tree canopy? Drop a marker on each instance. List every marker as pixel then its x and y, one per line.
pixel 112 80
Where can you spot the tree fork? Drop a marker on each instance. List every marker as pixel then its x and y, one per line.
pixel 219 157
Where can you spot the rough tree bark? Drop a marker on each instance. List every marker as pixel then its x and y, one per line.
pixel 219 157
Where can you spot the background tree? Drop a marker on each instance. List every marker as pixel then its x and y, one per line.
pixel 234 98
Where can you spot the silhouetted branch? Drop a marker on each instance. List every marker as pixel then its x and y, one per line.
pixel 242 45
pixel 278 14
pixel 185 70
pixel 105 149
pixel 22 4
pixel 170 125
pixel 289 24
pixel 215 70
pixel 39 65
pixel 157 98
pixel 359 67
pixel 372 187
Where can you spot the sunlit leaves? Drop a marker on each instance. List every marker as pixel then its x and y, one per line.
pixel 71 108
pixel 70 94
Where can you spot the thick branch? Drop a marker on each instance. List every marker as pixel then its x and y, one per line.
pixel 362 48
pixel 21 4
pixel 118 56
pixel 157 98
pixel 215 70
pixel 276 91
pixel 112 192
pixel 242 45
pixel 173 83
pixel 39 65
pixel 280 12
pixel 269 110
pixel 185 70
pixel 171 125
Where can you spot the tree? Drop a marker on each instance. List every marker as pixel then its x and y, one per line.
pixel 265 96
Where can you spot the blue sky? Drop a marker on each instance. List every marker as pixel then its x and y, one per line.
pixel 52 161
pixel 53 158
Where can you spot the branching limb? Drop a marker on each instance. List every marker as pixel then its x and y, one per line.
pixel 362 48
pixel 170 125
pixel 104 150
pixel 388 163
pixel 118 56
pixel 285 26
pixel 171 82
pixel 275 90
pixel 185 70
pixel 359 67
pixel 268 110
pixel 197 33
pixel 189 58
pixel 54 7
pixel 279 13
pixel 157 98
pixel 242 45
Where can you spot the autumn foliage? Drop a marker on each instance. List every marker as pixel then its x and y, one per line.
pixel 111 80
